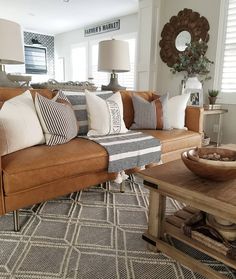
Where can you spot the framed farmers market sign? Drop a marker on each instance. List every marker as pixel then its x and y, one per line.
pixel 102 28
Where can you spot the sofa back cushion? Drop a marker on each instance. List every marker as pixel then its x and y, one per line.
pixel 1 104
pixel 8 93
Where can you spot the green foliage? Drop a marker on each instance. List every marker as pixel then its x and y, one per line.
pixel 193 61
pixel 213 93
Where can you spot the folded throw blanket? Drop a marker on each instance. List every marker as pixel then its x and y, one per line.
pixel 129 150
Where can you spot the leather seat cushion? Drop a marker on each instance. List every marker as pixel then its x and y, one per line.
pixel 175 139
pixel 42 164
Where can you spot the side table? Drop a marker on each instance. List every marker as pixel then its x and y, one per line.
pixel 219 112
pixel 174 180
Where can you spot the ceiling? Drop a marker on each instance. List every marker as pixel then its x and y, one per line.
pixel 58 16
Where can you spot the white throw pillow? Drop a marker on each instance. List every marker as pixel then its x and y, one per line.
pixel 176 110
pixel 105 116
pixel 19 124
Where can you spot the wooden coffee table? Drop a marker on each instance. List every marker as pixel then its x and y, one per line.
pixel 176 181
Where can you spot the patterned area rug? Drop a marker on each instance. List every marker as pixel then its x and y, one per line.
pixel 91 234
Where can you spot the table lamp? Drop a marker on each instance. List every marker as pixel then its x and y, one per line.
pixel 113 56
pixel 11 49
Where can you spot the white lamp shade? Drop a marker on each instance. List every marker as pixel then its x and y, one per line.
pixel 11 43
pixel 113 55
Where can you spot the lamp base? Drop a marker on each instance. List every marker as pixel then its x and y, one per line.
pixel 5 82
pixel 113 85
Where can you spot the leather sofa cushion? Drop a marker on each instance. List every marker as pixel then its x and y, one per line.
pixel 38 165
pixel 8 93
pixel 34 166
pixel 175 139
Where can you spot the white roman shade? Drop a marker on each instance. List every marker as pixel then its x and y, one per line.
pixel 228 84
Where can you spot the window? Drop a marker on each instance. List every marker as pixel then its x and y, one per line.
pixel 227 78
pixel 84 60
pixel 35 60
pixel 60 69
pixel 99 78
pixel 79 62
pixel 128 79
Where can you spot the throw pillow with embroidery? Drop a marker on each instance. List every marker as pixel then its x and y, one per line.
pixel 105 116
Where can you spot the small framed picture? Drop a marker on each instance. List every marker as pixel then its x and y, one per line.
pixel 196 98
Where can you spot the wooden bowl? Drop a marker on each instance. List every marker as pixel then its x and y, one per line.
pixel 204 168
pixel 223 222
pixel 197 154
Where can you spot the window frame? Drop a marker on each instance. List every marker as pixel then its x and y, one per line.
pixel 89 45
pixel 223 98
pixel 125 36
pixel 128 36
pixel 93 42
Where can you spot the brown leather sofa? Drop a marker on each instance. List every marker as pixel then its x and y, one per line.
pixel 40 173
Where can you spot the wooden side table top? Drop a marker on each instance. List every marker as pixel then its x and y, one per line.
pixel 176 181
pixel 214 111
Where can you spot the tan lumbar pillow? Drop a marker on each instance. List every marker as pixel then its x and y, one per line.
pixel 19 124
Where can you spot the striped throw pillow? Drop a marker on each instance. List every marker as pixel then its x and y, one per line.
pixel 60 97
pixel 150 115
pixel 78 101
pixel 57 119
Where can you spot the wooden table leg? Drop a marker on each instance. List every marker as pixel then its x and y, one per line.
pixel 218 142
pixel 157 206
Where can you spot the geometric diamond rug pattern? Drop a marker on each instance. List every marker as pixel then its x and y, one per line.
pixel 92 234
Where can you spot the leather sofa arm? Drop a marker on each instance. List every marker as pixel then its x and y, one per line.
pixel 2 209
pixel 194 119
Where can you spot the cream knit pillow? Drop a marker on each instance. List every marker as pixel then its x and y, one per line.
pixel 19 124
pixel 176 110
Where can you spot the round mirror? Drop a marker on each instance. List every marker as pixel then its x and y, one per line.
pixel 186 27
pixel 182 39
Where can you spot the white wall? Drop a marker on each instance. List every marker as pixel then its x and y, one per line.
pixel 166 81
pixel 64 41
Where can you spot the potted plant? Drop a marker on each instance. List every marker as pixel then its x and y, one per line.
pixel 193 61
pixel 212 96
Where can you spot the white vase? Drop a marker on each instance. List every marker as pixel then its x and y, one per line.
pixel 193 83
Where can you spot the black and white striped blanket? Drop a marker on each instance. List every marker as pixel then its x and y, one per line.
pixel 129 150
